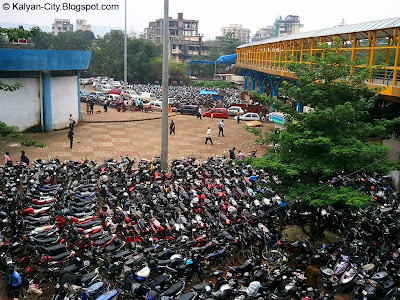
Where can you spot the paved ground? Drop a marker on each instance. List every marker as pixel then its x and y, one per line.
pixel 139 138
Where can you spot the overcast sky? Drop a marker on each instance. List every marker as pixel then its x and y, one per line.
pixel 212 14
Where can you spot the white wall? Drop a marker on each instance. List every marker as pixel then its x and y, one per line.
pixel 64 100
pixel 21 108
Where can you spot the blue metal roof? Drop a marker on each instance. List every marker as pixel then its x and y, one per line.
pixel 43 60
pixel 230 58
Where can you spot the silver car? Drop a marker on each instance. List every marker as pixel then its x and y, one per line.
pixel 233 110
pixel 249 117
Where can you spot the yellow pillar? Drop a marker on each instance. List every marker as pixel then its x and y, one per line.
pixel 372 52
pixel 396 60
pixel 353 40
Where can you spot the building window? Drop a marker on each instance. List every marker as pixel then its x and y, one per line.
pixel 174 47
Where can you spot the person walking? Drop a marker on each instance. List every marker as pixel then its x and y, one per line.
pixel 71 137
pixel 105 105
pixel 238 116
pixel 7 159
pixel 88 107
pixel 91 106
pixel 221 128
pixel 172 127
pixel 199 113
pixel 71 122
pixel 232 153
pixel 208 136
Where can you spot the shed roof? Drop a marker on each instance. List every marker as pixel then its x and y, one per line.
pixel 388 24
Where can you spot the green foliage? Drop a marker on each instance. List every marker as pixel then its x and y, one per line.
pixel 340 137
pixel 144 64
pixel 327 196
pixel 9 87
pixel 328 81
pixel 215 84
pixel 9 130
pixel 262 138
pixel 35 143
pixel 227 46
pixel 13 34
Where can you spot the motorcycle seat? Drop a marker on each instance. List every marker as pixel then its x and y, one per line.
pixel 173 290
pixel 122 254
pixel 188 296
pixel 61 256
pixel 200 287
pixel 144 273
pixel 164 262
pixel 358 259
pixel 89 277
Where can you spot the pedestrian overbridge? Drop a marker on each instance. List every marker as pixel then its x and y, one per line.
pixel 374 44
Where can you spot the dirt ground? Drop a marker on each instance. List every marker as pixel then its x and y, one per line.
pixel 137 134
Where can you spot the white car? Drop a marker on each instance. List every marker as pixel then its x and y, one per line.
pixel 233 110
pixel 156 105
pixel 106 88
pixel 116 84
pixel 249 117
pixel 129 94
pixel 97 94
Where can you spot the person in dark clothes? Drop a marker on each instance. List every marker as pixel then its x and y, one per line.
pixel 24 158
pixel 91 107
pixel 232 153
pixel 71 138
pixel 172 127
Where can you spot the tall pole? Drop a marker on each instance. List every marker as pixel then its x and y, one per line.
pixel 125 55
pixel 164 121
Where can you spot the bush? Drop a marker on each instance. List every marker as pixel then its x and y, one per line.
pixel 29 143
pixel 9 130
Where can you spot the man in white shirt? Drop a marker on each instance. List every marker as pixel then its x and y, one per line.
pixel 208 136
pixel 199 114
pixel 221 128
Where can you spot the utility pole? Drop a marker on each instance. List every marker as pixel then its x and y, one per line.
pixel 164 121
pixel 125 55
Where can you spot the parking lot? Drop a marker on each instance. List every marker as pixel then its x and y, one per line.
pixel 137 134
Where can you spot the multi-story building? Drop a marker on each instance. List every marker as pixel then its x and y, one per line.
pixel 61 25
pixel 184 38
pixel 264 33
pixel 83 25
pixel 289 25
pixel 238 31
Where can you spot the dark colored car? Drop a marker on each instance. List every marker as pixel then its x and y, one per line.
pixel 189 110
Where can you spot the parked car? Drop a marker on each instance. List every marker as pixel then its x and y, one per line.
pixel 85 81
pixel 249 117
pixel 97 94
pixel 233 110
pixel 113 98
pixel 106 88
pixel 129 94
pixel 116 84
pixel 189 110
pixel 115 91
pixel 221 113
pixel 147 97
pixel 84 92
pixel 155 105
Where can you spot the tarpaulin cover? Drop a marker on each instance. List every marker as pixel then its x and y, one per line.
pixel 203 92
pixel 230 58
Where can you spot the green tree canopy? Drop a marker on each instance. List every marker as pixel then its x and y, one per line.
pixel 339 138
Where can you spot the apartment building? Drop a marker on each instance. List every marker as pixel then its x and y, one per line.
pixel 184 38
pixel 61 25
pixel 238 31
pixel 83 25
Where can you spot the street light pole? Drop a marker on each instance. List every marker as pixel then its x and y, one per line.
pixel 125 56
pixel 164 121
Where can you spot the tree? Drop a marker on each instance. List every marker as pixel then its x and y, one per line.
pixel 338 138
pixel 13 34
pixel 229 43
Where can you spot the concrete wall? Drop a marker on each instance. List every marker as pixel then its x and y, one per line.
pixel 21 108
pixel 64 100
